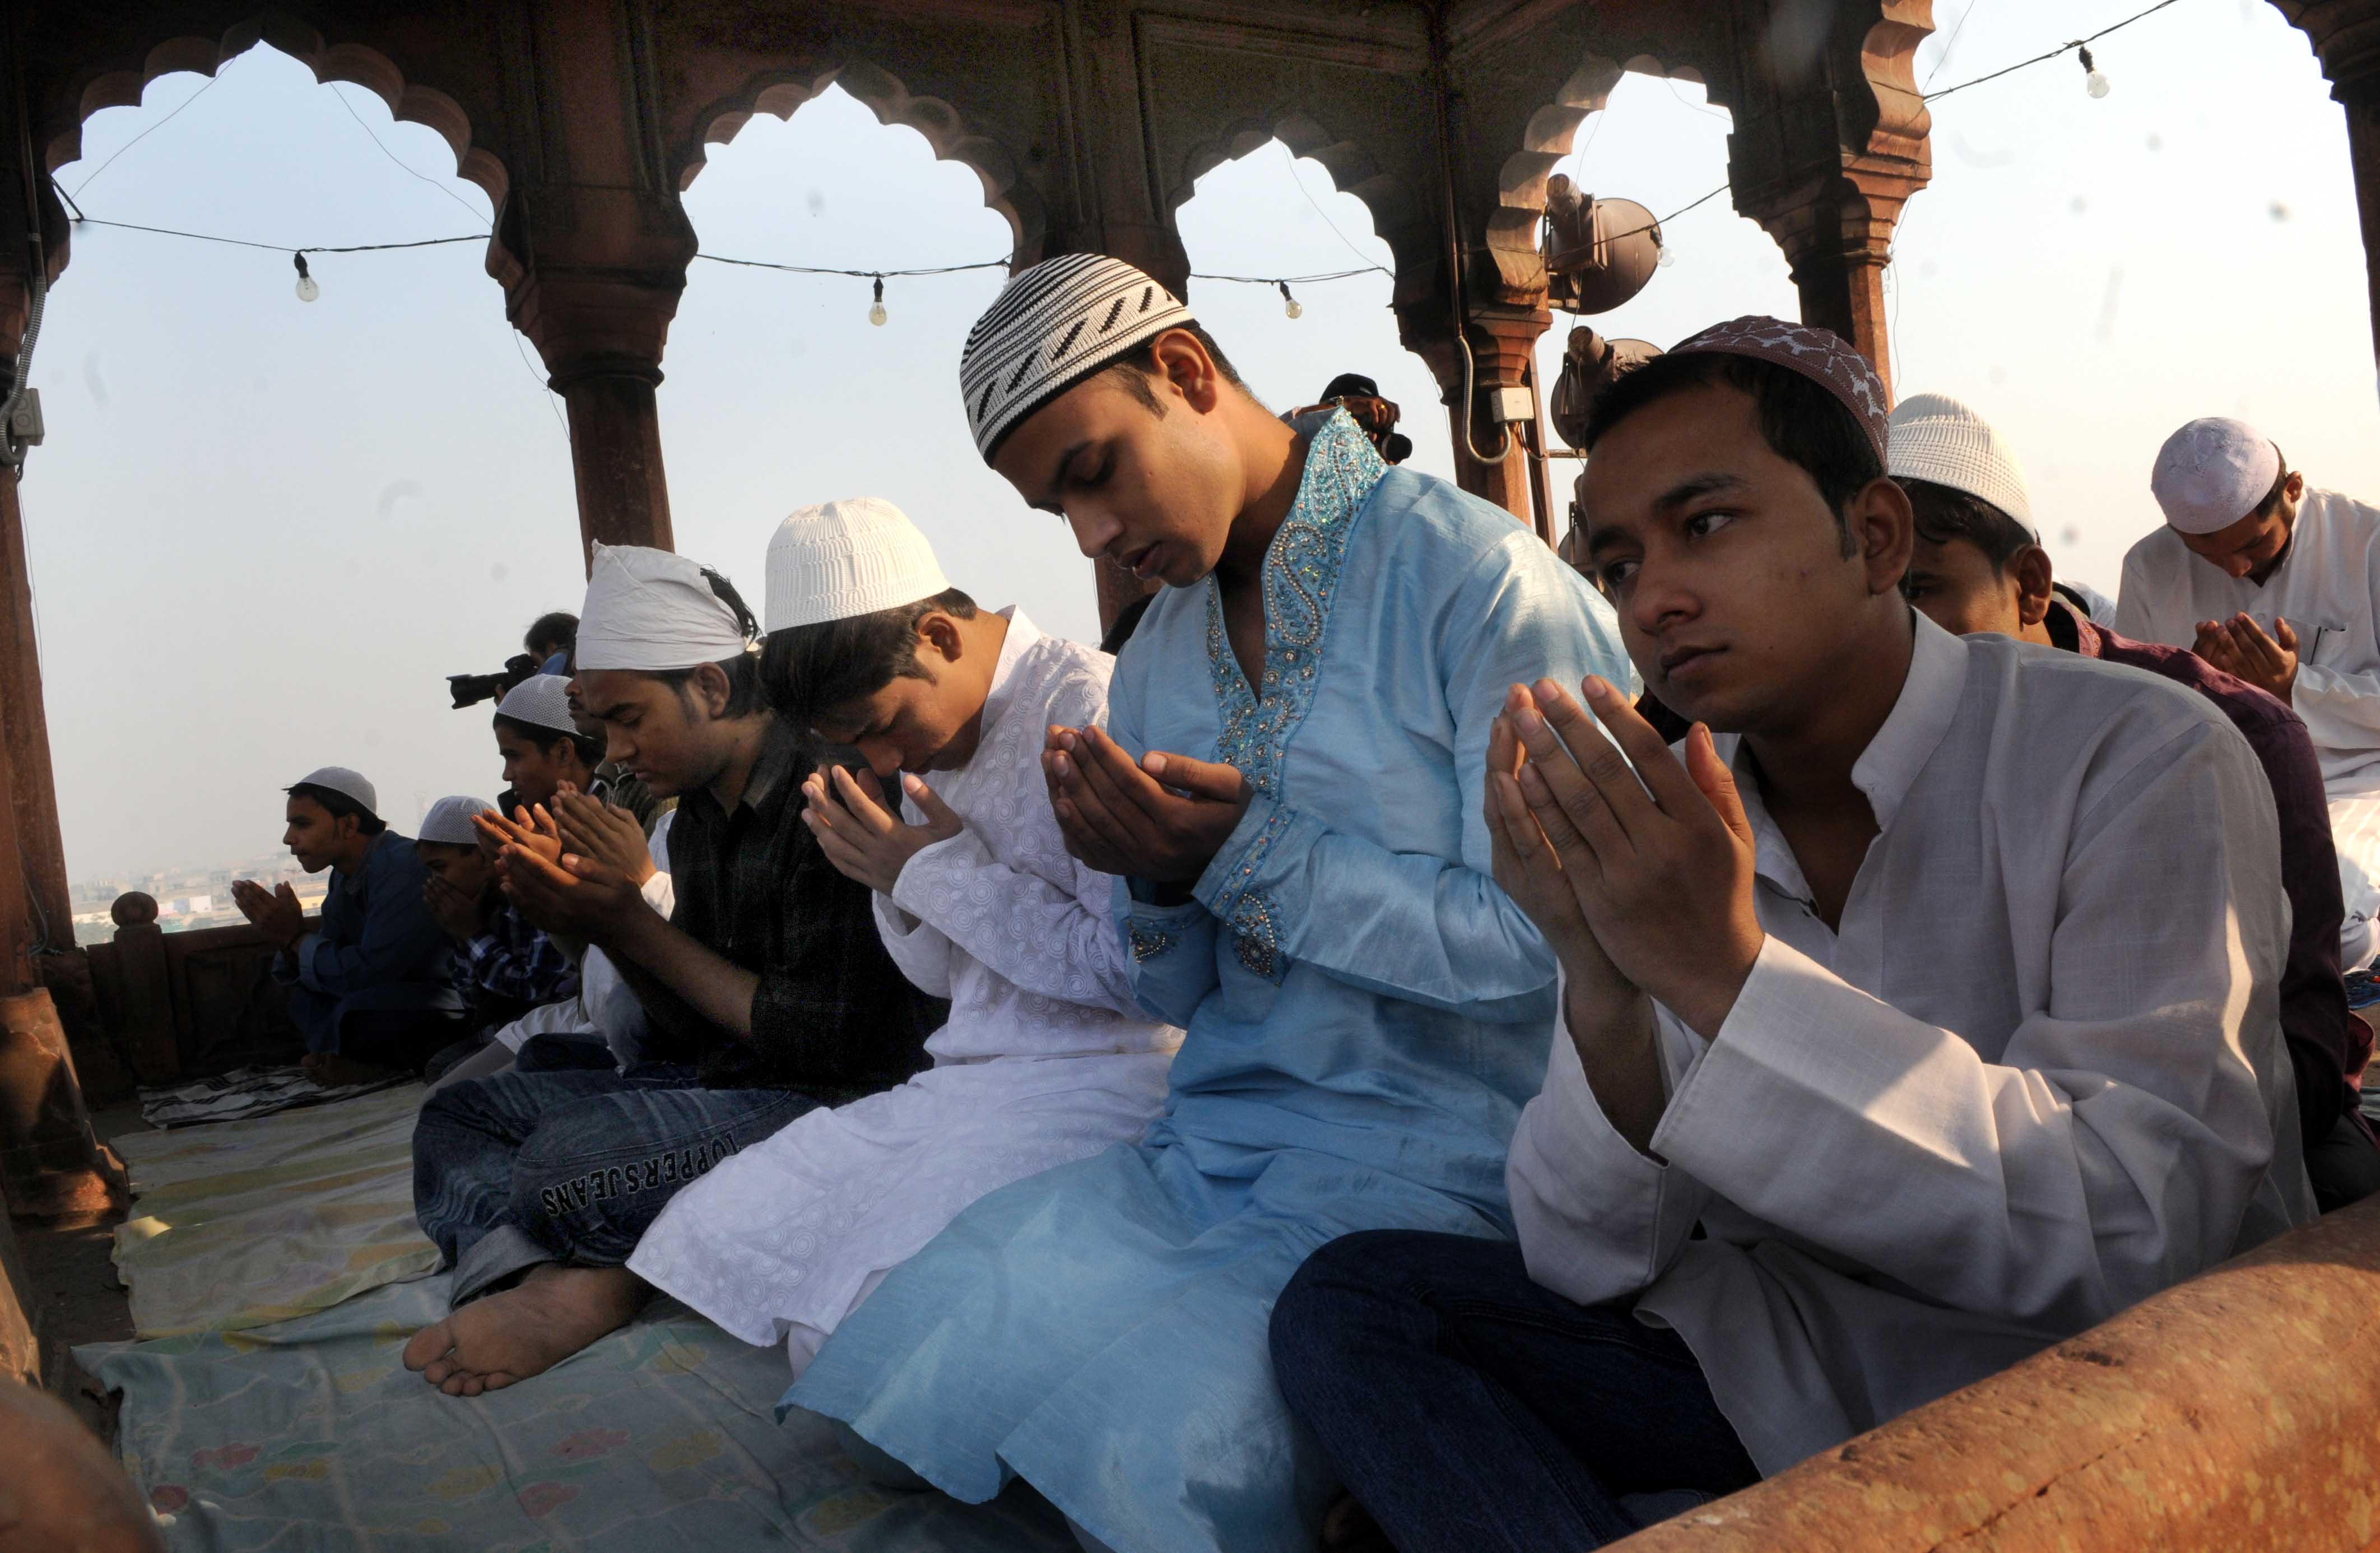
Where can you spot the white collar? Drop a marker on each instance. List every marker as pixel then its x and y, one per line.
pixel 1887 769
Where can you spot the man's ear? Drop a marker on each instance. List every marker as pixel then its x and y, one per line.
pixel 2295 487
pixel 711 691
pixel 939 631
pixel 2030 567
pixel 1185 365
pixel 1882 530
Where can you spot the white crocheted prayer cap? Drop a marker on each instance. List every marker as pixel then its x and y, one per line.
pixel 1935 438
pixel 2212 473
pixel 1050 328
pixel 541 701
pixel 449 820
pixel 338 779
pixel 652 611
pixel 841 558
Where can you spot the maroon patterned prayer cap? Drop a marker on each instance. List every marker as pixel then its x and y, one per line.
pixel 1820 354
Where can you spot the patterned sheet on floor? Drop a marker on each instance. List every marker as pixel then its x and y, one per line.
pixel 312 1433
pixel 243 1223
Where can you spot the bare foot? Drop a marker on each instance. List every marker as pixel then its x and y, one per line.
pixel 524 1330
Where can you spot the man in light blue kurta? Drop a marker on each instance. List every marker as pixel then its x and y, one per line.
pixel 1367 1011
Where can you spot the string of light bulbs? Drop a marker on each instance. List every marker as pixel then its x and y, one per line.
pixel 309 289
pixel 2094 82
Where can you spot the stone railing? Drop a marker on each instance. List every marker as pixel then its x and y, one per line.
pixel 179 1004
pixel 2233 1412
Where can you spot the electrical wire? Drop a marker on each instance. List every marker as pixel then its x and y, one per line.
pixel 150 131
pixel 435 183
pixel 2043 58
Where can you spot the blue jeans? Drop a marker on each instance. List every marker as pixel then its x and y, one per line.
pixel 516 1169
pixel 1468 1408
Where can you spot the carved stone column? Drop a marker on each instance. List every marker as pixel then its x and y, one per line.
pixel 1833 143
pixel 2345 35
pixel 592 247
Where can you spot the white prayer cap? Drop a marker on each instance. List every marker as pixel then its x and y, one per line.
pixel 2212 473
pixel 652 611
pixel 449 820
pixel 1936 438
pixel 844 559
pixel 338 779
pixel 541 701
pixel 1050 328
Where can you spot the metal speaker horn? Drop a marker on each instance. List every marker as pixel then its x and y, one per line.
pixel 1599 253
pixel 1590 363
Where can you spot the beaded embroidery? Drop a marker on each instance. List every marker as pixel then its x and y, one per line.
pixel 1148 942
pixel 1301 576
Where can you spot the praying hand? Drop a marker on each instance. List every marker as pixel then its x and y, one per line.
pixel 866 844
pixel 1162 819
pixel 2239 648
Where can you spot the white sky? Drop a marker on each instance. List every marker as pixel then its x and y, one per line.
pixel 262 532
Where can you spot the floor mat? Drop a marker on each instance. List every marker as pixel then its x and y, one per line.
pixel 312 1433
pixel 244 1092
pixel 255 1221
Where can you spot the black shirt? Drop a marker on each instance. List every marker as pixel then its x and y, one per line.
pixel 833 1016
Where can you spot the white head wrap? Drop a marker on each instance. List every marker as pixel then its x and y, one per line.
pixel 1050 328
pixel 449 820
pixel 541 701
pixel 844 559
pixel 652 611
pixel 338 779
pixel 2212 473
pixel 1936 438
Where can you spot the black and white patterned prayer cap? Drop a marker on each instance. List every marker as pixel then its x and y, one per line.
pixel 1050 328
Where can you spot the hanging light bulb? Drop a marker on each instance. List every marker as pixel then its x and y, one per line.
pixel 876 314
pixel 1289 304
pixel 1666 258
pixel 307 289
pixel 2092 81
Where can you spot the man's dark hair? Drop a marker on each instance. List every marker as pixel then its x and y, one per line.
pixel 743 670
pixel 1135 371
pixel 1946 513
pixel 807 670
pixel 560 627
pixel 2280 483
pixel 1802 422
pixel 591 750
pixel 340 805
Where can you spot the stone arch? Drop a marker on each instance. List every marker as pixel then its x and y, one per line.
pixel 779 93
pixel 122 85
pixel 1396 216
pixel 1546 139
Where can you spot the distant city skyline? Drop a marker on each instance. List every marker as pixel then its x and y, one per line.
pixel 262 531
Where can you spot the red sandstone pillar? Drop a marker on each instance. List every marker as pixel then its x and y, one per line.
pixel 33 796
pixel 2346 38
pixel 615 452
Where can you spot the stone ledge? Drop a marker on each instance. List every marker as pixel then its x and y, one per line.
pixel 2236 1411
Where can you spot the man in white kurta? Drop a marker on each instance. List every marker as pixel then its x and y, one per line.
pixel 2279 584
pixel 1927 1017
pixel 1046 1059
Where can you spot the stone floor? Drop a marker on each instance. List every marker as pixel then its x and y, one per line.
pixel 72 1293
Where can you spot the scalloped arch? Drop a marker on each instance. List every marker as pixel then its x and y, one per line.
pixel 779 93
pixel 1353 169
pixel 356 63
pixel 1521 182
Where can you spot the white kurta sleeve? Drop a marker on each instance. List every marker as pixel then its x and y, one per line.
pixel 2341 710
pixel 1596 1220
pixel 2117 1145
pixel 922 951
pixel 2146 605
pixel 1044 939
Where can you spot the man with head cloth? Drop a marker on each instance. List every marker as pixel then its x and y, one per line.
pixel 1288 789
pixel 766 990
pixel 2279 584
